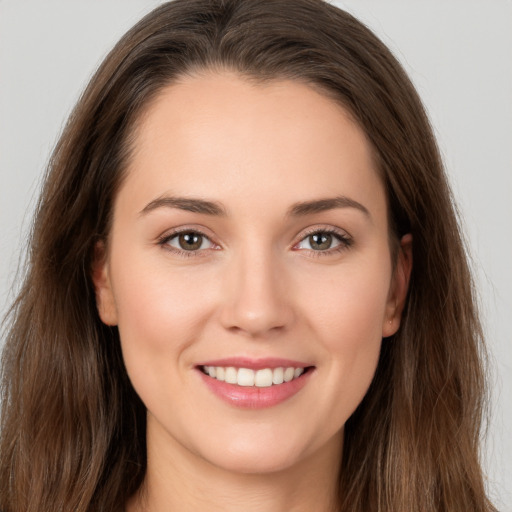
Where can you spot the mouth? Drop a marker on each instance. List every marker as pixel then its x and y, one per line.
pixel 255 384
pixel 261 378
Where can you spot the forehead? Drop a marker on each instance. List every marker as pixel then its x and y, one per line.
pixel 217 134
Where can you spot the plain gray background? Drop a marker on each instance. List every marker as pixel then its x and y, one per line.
pixel 459 55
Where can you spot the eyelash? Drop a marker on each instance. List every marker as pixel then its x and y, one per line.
pixel 164 241
pixel 345 242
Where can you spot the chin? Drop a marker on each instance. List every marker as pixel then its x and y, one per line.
pixel 258 454
pixel 255 463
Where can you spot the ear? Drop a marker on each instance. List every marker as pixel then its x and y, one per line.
pixel 102 286
pixel 399 287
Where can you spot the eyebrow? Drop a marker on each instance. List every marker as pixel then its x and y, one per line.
pixel 189 204
pixel 197 205
pixel 322 205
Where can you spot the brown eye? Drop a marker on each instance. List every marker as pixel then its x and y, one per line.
pixel 320 241
pixel 190 241
pixel 324 242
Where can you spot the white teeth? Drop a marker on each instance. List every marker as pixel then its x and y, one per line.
pixel 288 374
pixel 220 373
pixel 278 376
pixel 230 375
pixel 263 378
pixel 247 377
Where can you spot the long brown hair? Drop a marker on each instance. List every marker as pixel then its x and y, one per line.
pixel 72 427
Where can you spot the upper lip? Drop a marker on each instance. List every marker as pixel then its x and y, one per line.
pixel 255 364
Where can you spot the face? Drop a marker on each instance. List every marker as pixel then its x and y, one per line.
pixel 250 236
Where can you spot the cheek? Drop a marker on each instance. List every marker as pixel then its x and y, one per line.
pixel 349 308
pixel 159 314
pixel 347 318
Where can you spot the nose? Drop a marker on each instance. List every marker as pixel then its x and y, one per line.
pixel 256 296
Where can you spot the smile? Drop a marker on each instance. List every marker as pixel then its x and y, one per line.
pixel 248 377
pixel 255 384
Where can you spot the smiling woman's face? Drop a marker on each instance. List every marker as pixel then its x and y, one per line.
pixel 249 236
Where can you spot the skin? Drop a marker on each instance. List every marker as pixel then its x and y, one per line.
pixel 256 288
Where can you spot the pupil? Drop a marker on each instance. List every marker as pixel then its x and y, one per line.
pixel 320 241
pixel 190 241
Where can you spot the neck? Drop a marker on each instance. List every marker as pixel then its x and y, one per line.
pixel 177 479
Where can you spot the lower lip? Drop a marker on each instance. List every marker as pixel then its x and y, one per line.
pixel 254 397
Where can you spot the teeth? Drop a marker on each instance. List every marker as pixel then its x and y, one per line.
pixel 231 375
pixel 289 374
pixel 278 376
pixel 249 378
pixel 221 372
pixel 245 377
pixel 263 378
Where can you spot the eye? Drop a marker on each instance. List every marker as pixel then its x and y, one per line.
pixel 187 241
pixel 324 241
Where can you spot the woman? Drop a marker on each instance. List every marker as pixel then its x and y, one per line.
pixel 247 286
